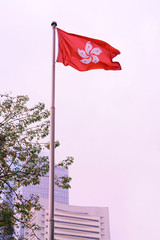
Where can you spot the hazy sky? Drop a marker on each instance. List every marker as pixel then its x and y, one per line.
pixel 108 120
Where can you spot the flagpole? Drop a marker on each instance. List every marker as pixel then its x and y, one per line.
pixel 52 142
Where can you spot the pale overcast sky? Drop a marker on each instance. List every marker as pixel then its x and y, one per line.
pixel 108 120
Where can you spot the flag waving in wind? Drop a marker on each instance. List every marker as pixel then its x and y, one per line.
pixel 83 53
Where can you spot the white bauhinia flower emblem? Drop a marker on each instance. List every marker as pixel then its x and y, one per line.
pixel 90 54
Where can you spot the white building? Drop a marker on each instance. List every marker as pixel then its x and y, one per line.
pixel 42 190
pixel 73 223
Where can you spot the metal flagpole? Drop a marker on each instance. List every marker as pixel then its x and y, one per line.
pixel 52 143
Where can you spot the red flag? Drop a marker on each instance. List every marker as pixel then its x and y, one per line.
pixel 83 53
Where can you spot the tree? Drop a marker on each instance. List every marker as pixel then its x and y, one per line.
pixel 22 129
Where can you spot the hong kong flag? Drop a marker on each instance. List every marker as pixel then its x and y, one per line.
pixel 83 53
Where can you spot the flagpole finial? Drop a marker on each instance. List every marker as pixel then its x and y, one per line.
pixel 54 24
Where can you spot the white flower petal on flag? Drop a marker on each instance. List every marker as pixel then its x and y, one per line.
pixel 86 61
pixel 96 51
pixel 95 59
pixel 88 47
pixel 89 55
pixel 82 53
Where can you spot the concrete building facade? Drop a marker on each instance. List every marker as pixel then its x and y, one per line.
pixel 73 223
pixel 42 190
